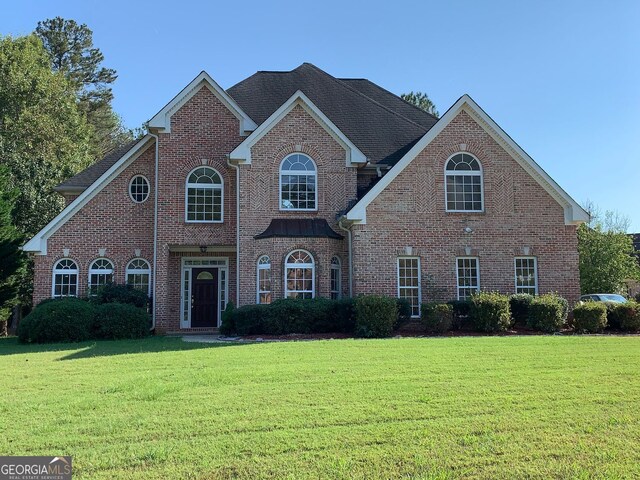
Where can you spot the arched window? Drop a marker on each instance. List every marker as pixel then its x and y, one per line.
pixel 463 184
pixel 65 279
pixel 139 275
pixel 139 189
pixel 100 273
pixel 299 274
pixel 298 183
pixel 203 196
pixel 336 278
pixel 264 279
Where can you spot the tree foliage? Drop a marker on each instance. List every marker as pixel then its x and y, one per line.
pixel 422 101
pixel 72 53
pixel 606 253
pixel 10 254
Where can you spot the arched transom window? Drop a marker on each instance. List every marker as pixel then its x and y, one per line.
pixel 204 196
pixel 100 273
pixel 264 279
pixel 463 184
pixel 298 183
pixel 139 275
pixel 336 278
pixel 65 279
pixel 299 274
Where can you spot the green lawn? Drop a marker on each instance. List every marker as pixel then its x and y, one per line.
pixel 483 407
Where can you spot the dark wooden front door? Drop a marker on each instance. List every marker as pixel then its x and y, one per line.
pixel 204 297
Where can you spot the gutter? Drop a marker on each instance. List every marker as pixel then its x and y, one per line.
pixel 235 166
pixel 350 249
pixel 155 233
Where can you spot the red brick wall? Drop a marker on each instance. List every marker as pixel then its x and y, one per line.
pixel 518 213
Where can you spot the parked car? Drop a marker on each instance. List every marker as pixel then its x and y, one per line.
pixel 603 297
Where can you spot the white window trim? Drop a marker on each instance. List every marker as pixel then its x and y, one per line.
pixel 336 267
pixel 297 172
pixel 148 185
pixel 263 266
pixel 311 265
pixel 99 271
pixel 535 271
pixel 464 172
pixel 212 186
pixel 407 257
pixel 222 264
pixel 138 271
pixel 55 271
pixel 458 276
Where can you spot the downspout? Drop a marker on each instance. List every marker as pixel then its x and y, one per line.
pixel 237 228
pixel 155 234
pixel 350 256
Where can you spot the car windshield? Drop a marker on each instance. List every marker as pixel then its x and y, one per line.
pixel 613 298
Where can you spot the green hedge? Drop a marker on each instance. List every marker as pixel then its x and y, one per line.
pixel 490 312
pixel 623 316
pixel 114 321
pixel 590 317
pixel 60 320
pixel 461 314
pixel 114 293
pixel 547 313
pixel 437 317
pixel 375 316
pixel 519 304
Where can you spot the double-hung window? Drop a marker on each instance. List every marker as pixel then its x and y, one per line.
pixel 264 279
pixel 65 279
pixel 463 184
pixel 526 271
pixel 204 192
pixel 409 282
pixel 468 273
pixel 100 274
pixel 298 183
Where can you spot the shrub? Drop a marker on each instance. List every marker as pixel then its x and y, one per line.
pixel 437 317
pixel 290 315
pixel 375 316
pixel 623 316
pixel 404 312
pixel 343 315
pixel 519 305
pixel 490 312
pixel 114 321
pixel 563 303
pixel 461 309
pixel 250 319
pixel 60 320
pixel 546 313
pixel 114 293
pixel 590 317
pixel 227 326
pixel 631 323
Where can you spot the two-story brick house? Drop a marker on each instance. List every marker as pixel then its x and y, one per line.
pixel 299 184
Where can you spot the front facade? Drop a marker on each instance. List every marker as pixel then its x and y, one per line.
pixel 299 184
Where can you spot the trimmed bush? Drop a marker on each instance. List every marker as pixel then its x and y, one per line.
pixel 590 317
pixel 114 293
pixel 227 326
pixel 519 305
pixel 490 312
pixel 250 319
pixel 623 316
pixel 461 310
pixel 404 312
pixel 343 315
pixel 546 313
pixel 375 316
pixel 437 317
pixel 115 321
pixel 60 320
pixel 290 315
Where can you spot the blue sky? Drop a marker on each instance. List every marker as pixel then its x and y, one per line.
pixel 562 78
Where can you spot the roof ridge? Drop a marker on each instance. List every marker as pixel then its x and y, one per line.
pixel 344 85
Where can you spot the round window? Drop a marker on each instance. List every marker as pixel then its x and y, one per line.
pixel 139 189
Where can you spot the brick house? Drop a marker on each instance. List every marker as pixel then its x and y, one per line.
pixel 299 184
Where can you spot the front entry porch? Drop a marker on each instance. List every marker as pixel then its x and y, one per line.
pixel 204 291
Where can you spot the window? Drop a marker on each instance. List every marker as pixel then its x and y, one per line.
pixel 299 273
pixel 100 273
pixel 204 196
pixel 298 183
pixel 468 277
pixel 65 279
pixel 139 189
pixel 463 184
pixel 526 275
pixel 409 282
pixel 264 279
pixel 336 278
pixel 139 275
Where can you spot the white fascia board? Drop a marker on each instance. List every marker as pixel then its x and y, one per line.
pixel 242 153
pixel 573 213
pixel 162 119
pixel 38 244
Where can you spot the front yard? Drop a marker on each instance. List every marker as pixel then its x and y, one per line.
pixel 485 407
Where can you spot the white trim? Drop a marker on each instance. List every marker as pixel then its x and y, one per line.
pixel 535 272
pixel 470 173
pixel 99 271
pixel 410 257
pixel 38 244
pixel 148 186
pixel 61 271
pixel 263 266
pixel 297 172
pixel 212 186
pixel 458 276
pixel 311 265
pixel 242 152
pixel 222 264
pixel 573 213
pixel 138 271
pixel 162 119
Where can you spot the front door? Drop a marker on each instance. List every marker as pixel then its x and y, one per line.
pixel 204 297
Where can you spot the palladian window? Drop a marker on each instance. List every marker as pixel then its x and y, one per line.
pixel 299 275
pixel 65 279
pixel 204 196
pixel 463 184
pixel 298 183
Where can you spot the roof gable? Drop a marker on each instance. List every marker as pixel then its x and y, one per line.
pixel 573 212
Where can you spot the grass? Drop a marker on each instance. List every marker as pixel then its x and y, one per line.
pixel 484 407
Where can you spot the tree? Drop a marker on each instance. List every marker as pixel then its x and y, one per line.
pixel 606 252
pixel 11 258
pixel 71 51
pixel 422 101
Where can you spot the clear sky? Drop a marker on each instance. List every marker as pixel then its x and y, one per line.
pixel 561 77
